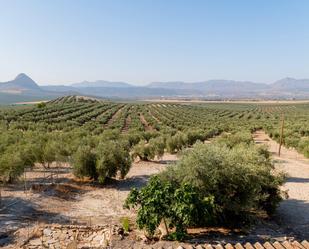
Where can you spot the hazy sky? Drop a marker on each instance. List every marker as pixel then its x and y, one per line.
pixel 139 41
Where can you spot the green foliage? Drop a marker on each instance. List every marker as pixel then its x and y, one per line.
pixel 112 157
pixel 41 105
pixel 196 135
pixel 84 162
pixel 241 179
pixel 231 140
pixel 157 146
pixel 176 143
pixel 125 224
pixel 178 205
pixel 304 146
pixel 148 151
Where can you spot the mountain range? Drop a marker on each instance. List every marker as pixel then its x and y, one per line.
pixel 23 88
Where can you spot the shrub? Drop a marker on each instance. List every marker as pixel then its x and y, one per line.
pixel 231 140
pixel 103 161
pixel 84 162
pixel 12 164
pixel 177 206
pixel 195 135
pixel 148 151
pixel 157 145
pixel 143 151
pixel 125 224
pixel 41 105
pixel 304 146
pixel 241 179
pixel 176 143
pixel 112 157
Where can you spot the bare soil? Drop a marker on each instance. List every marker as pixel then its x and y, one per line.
pixel 293 213
pixel 83 202
pixel 126 125
pixel 62 199
pixel 147 127
pixel 114 117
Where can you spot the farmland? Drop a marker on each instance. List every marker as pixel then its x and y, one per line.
pixel 99 150
pixel 68 114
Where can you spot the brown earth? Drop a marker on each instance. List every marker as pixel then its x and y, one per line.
pixel 293 212
pixel 147 127
pixel 70 200
pixel 82 202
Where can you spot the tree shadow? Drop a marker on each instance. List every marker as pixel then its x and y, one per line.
pixel 16 213
pixel 126 184
pixel 297 180
pixel 165 161
pixel 293 216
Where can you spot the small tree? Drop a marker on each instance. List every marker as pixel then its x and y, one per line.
pixel 148 151
pixel 41 105
pixel 112 157
pixel 157 146
pixel 84 162
pixel 241 179
pixel 176 143
pixel 143 151
pixel 12 165
pixel 177 206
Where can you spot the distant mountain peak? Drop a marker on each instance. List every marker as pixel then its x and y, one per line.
pixel 21 83
pixel 22 76
pixel 286 79
pixel 25 80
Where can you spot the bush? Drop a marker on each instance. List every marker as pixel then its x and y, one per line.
pixel 41 105
pixel 125 224
pixel 157 146
pixel 104 161
pixel 177 206
pixel 303 146
pixel 112 157
pixel 84 162
pixel 241 179
pixel 13 162
pixel 147 152
pixel 10 167
pixel 143 151
pixel 176 143
pixel 194 135
pixel 231 140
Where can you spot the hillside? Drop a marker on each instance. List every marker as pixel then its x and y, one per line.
pixel 23 88
pixel 22 83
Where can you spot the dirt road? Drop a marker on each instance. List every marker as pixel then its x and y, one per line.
pixel 293 213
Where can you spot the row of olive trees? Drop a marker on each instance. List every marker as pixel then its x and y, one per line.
pixel 172 143
pixel 96 156
pixel 103 161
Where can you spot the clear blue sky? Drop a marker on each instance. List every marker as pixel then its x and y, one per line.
pixel 139 41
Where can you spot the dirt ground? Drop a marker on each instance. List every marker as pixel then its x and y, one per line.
pixel 71 201
pixel 293 213
pixel 76 202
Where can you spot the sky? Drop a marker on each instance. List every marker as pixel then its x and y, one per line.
pixel 141 41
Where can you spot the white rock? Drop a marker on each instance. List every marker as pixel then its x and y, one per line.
pixel 47 232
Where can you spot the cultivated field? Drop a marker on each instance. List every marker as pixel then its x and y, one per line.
pixel 75 160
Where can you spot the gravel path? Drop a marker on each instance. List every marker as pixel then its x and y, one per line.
pixel 293 212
